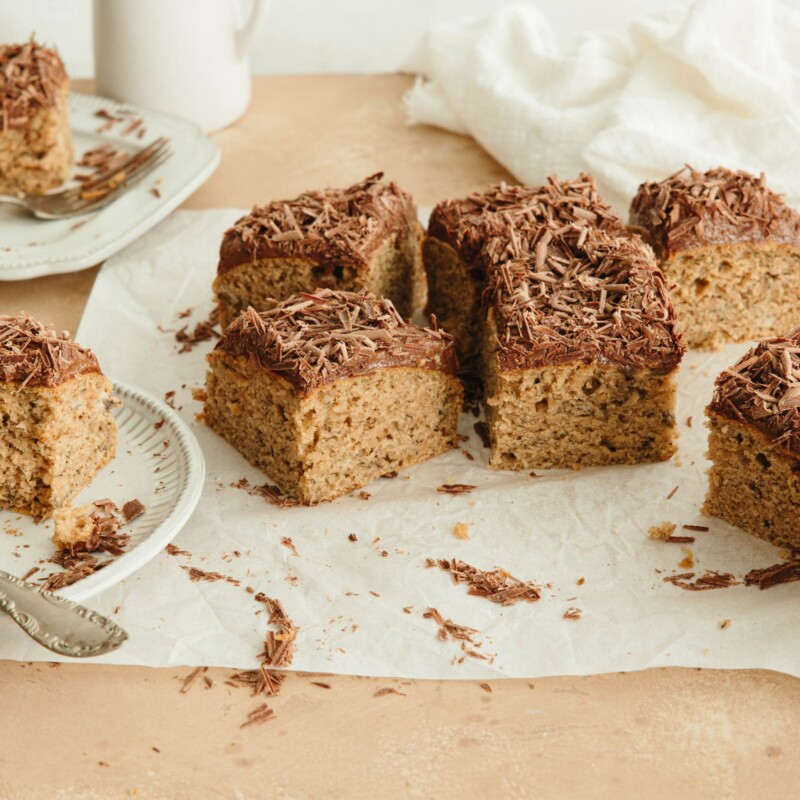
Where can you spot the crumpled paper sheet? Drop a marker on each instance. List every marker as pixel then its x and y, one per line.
pixel 348 598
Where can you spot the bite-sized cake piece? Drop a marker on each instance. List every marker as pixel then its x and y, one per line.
pixel 56 428
pixel 730 251
pixel 328 391
pixel 35 136
pixel 457 231
pixel 363 237
pixel 580 351
pixel 754 442
pixel 75 528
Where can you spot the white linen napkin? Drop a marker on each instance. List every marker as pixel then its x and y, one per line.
pixel 709 83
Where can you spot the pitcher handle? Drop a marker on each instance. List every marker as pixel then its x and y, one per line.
pixel 247 33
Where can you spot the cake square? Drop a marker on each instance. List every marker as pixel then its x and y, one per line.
pixel 365 237
pixel 580 350
pixel 729 249
pixel 56 428
pixel 458 229
pixel 327 391
pixel 35 135
pixel 754 442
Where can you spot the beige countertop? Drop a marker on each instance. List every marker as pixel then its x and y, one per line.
pixel 90 731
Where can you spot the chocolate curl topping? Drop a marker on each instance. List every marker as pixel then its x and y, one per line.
pixel 32 354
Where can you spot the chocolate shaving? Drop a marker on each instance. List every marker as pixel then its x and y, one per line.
pixel 289 545
pixel 388 690
pixel 196 574
pixel 455 488
pixel 203 331
pixel 278 647
pixel 267 491
pixel 498 586
pixel 190 679
pixel 449 629
pixel 173 550
pixel 259 715
pixel 709 580
pixel 766 578
pixel 133 509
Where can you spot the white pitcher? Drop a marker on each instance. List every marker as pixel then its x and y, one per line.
pixel 187 57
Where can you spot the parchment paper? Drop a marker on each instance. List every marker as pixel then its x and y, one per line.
pixel 348 598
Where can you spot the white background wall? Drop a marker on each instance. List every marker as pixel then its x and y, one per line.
pixel 312 36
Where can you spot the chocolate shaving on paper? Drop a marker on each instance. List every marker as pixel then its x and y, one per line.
pixel 709 580
pixel 497 585
pixel 196 574
pixel 203 331
pixel 766 578
pixel 278 647
pixel 455 488
pixel 313 339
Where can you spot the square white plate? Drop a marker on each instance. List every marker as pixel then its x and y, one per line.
pixel 30 248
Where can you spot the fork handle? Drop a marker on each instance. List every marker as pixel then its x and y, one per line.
pixel 58 624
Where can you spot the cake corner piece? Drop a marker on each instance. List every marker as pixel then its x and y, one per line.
pixel 754 442
pixel 328 391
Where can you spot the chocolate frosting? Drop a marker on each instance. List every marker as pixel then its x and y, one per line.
pixel 464 224
pixel 337 225
pixel 32 354
pixel 763 390
pixel 314 339
pixel 700 209
pixel 30 76
pixel 578 294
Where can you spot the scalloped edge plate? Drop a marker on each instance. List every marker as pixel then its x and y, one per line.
pixel 167 477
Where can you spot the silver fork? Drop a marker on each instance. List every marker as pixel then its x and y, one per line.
pixel 56 623
pixel 92 195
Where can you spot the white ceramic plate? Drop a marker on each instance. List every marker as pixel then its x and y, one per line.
pixel 30 248
pixel 163 467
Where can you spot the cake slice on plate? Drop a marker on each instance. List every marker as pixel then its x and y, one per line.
pixel 730 251
pixel 328 391
pixel 364 237
pixel 56 427
pixel 580 350
pixel 754 442
pixel 35 135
